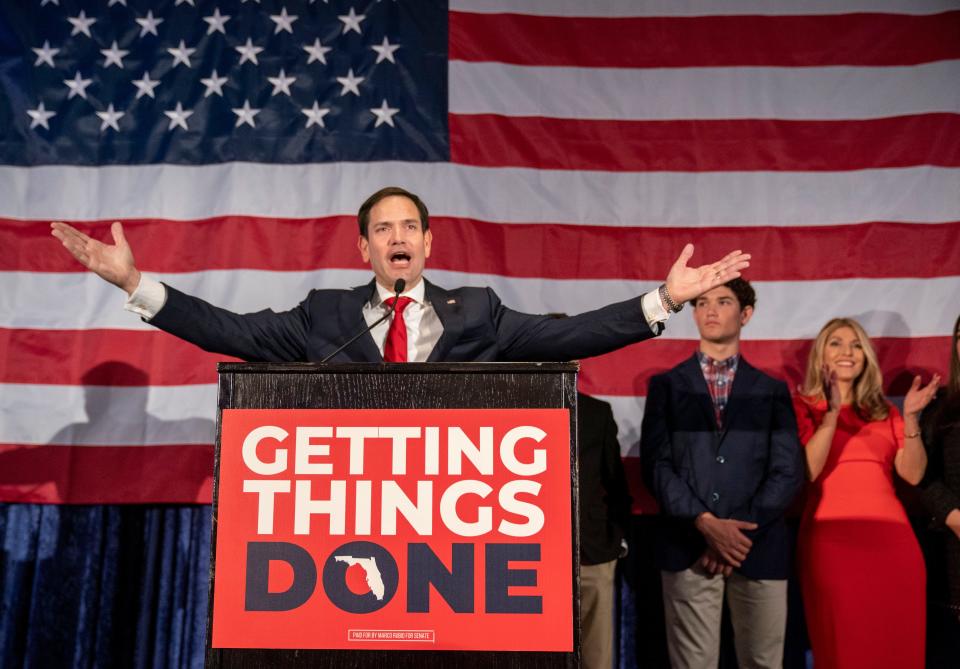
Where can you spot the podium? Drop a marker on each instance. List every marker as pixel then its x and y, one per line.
pixel 282 398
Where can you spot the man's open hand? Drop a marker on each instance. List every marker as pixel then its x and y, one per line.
pixel 113 263
pixel 685 283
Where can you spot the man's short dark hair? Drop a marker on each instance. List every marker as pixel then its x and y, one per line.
pixel 742 290
pixel 363 216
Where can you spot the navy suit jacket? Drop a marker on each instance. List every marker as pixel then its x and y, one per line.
pixel 750 470
pixel 476 328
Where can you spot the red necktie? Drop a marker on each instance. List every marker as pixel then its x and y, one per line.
pixel 395 348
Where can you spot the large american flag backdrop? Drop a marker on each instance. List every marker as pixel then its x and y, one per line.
pixel 567 151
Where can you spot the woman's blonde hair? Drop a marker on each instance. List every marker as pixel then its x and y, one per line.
pixel 868 399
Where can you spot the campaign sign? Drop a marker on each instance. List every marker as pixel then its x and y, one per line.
pixel 394 529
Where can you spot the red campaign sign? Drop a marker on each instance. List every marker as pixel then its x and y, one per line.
pixel 394 529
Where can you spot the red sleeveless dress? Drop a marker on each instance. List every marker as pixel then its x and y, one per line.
pixel 861 570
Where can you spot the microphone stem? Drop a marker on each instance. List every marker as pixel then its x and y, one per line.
pixel 398 288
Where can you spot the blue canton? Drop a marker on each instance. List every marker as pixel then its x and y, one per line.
pixel 193 82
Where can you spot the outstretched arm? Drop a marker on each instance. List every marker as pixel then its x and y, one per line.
pixel 113 263
pixel 263 336
pixel 685 283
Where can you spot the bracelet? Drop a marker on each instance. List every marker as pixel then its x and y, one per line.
pixel 667 300
pixel 914 435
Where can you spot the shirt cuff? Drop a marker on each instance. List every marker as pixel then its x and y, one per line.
pixel 148 298
pixel 653 309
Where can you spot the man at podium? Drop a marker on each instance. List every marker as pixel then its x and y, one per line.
pixel 398 316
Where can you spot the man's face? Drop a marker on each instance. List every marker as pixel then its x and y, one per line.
pixel 718 316
pixel 395 246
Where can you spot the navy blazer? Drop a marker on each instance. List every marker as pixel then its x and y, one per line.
pixel 476 328
pixel 750 470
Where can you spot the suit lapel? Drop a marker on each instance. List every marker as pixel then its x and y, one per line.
pixel 351 321
pixel 450 312
pixel 693 375
pixel 743 380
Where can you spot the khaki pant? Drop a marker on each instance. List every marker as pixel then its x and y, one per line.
pixel 693 605
pixel 596 614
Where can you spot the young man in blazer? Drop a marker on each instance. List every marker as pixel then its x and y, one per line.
pixel 465 324
pixel 720 454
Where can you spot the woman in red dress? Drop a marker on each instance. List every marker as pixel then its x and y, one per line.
pixel 861 570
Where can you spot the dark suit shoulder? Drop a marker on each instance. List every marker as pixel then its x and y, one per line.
pixel 329 298
pixel 667 377
pixel 365 292
pixel 662 381
pixel 773 383
pixel 662 377
pixel 473 291
pixel 593 403
pixel 471 294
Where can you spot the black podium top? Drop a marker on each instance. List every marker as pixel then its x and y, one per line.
pixel 395 367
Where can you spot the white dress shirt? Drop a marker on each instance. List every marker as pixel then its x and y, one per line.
pixel 423 325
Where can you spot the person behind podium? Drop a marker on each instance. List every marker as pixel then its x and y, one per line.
pixel 604 519
pixel 436 324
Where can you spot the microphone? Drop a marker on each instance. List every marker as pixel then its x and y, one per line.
pixel 398 287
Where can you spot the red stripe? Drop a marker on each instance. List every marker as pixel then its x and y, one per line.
pixel 627 372
pixel 871 250
pixel 138 358
pixel 222 242
pixel 706 41
pixel 106 474
pixel 491 140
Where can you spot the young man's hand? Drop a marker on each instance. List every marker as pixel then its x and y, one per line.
pixel 714 564
pixel 726 537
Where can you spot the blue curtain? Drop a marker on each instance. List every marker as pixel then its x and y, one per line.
pixel 103 586
pixel 126 586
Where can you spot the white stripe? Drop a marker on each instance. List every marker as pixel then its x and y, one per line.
pixel 107 416
pixel 667 199
pixel 787 309
pixel 157 415
pixel 620 8
pixel 705 93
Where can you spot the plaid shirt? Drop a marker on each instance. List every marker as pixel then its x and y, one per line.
pixel 719 378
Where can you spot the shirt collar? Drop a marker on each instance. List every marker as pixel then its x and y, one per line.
pixel 707 361
pixel 417 293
